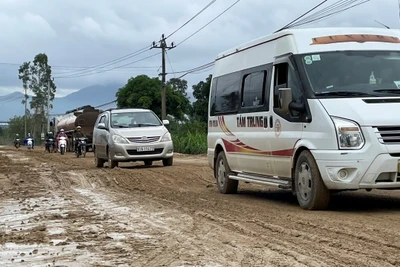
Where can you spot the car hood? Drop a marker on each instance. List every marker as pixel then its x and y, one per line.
pixel 141 131
pixel 365 111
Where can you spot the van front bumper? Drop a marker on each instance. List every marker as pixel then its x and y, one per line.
pixel 129 152
pixel 349 171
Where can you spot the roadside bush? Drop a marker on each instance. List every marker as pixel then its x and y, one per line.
pixel 189 137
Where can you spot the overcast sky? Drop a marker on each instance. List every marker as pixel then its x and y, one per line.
pixel 82 33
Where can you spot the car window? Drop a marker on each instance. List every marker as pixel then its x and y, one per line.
pixel 134 119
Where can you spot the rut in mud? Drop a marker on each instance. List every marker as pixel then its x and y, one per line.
pixel 60 210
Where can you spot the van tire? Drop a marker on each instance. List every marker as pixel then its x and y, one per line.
pixel 222 171
pixel 311 191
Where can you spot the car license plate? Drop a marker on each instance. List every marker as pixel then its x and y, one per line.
pixel 144 149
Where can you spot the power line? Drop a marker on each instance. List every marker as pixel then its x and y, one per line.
pixel 77 67
pixel 101 71
pixel 190 36
pixel 169 61
pixel 101 66
pixel 198 13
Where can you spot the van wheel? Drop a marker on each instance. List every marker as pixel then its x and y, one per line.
pixel 225 185
pixel 311 191
pixel 111 163
pixel 98 162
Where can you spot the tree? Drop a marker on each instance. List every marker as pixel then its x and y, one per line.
pixel 36 76
pixel 145 92
pixel 201 93
pixel 16 125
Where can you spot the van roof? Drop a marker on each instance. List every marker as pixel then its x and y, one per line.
pixel 311 39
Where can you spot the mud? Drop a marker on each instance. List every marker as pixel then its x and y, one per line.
pixel 59 210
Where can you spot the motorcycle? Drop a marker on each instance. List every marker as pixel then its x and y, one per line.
pixel 81 149
pixel 62 144
pixel 29 143
pixel 17 143
pixel 50 145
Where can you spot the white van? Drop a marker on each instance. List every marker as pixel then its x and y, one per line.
pixel 312 110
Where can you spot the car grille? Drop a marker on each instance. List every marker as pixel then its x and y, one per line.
pixel 144 139
pixel 388 134
pixel 134 152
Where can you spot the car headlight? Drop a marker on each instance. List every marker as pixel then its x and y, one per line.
pixel 119 139
pixel 349 134
pixel 166 137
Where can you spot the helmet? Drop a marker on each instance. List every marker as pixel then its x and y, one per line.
pixel 78 127
pixel 62 130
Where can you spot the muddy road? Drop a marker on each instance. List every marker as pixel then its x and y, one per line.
pixel 62 211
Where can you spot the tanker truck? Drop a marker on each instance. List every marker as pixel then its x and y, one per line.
pixel 83 116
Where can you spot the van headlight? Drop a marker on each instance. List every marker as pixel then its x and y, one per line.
pixel 349 134
pixel 166 137
pixel 119 139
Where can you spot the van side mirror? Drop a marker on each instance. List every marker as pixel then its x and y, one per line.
pixel 101 126
pixel 285 98
pixel 165 122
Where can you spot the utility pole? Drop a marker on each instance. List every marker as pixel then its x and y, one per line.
pixel 164 47
pixel 26 100
pixel 48 104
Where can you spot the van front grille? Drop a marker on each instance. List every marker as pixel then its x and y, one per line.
pixel 388 134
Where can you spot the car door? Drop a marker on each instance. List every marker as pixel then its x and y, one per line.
pixel 287 127
pixel 100 138
pixel 254 121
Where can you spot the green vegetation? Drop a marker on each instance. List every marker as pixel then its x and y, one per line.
pixel 189 137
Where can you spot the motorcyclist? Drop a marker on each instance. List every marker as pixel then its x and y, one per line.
pixel 78 134
pixel 26 140
pixel 61 134
pixel 16 139
pixel 48 137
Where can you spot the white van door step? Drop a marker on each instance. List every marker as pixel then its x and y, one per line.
pixel 265 180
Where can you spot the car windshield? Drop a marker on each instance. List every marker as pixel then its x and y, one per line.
pixel 353 73
pixel 134 119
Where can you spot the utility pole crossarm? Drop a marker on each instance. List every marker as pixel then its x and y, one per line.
pixel 163 45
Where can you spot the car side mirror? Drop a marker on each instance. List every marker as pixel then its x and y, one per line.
pixel 285 98
pixel 165 122
pixel 102 126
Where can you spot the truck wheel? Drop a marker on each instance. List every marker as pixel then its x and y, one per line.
pixel 168 162
pixel 311 191
pixel 111 163
pixel 98 162
pixel 222 171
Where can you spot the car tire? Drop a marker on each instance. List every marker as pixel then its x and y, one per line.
pixel 111 163
pixel 98 162
pixel 148 162
pixel 168 162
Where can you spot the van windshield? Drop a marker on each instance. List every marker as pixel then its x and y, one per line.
pixel 134 119
pixel 353 73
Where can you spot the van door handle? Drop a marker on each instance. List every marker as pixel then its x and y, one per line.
pixel 271 122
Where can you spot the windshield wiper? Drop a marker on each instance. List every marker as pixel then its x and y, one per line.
pixel 343 93
pixel 394 91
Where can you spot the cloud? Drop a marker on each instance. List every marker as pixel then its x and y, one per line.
pixel 87 33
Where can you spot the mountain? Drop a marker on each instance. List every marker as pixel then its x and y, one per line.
pixel 95 95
